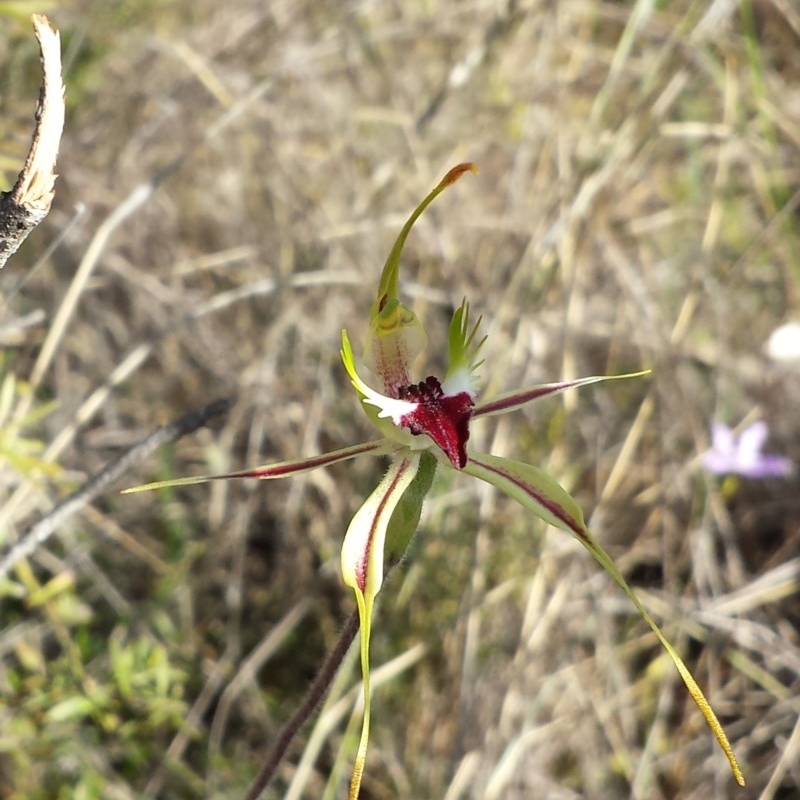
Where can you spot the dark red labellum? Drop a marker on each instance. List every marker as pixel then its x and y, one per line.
pixel 445 418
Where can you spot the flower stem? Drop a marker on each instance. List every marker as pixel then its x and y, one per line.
pixel 313 698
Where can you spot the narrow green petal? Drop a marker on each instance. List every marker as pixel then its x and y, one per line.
pixel 463 348
pixel 510 401
pixel 383 411
pixel 388 407
pixel 541 494
pixel 362 569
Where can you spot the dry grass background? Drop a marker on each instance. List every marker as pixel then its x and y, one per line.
pixel 636 207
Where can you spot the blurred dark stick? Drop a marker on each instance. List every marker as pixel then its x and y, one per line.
pixel 310 702
pixel 95 486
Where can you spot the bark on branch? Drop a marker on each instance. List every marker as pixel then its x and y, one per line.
pixel 27 204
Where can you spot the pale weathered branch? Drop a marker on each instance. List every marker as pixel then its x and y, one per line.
pixel 27 204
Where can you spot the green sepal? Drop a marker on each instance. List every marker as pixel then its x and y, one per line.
pixel 395 335
pixel 388 285
pixel 363 569
pixel 535 490
pixel 405 519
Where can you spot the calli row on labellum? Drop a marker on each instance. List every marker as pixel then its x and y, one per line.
pixel 425 424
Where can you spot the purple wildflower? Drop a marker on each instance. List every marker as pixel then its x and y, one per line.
pixel 741 455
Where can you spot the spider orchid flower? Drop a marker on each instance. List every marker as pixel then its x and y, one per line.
pixel 425 425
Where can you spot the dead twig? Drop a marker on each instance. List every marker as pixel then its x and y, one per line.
pixel 43 529
pixel 28 203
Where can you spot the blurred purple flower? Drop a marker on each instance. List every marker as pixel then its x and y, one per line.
pixel 741 455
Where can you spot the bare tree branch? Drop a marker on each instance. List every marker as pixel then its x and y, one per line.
pixel 27 204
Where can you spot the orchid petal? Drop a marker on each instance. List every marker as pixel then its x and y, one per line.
pixel 752 439
pixel 741 455
pixel 405 519
pixel 510 401
pixel 541 494
pixel 362 569
pixel 281 469
pixel 532 487
pixel 721 458
pixel 463 352
pixel 718 463
pixel 388 407
pixel 722 438
pixel 771 467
